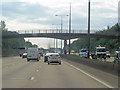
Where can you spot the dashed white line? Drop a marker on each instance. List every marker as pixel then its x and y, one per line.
pixel 31 78
pixel 37 70
pixel 109 86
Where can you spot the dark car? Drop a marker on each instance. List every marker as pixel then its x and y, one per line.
pixel 41 54
pixel 20 55
pixel 24 55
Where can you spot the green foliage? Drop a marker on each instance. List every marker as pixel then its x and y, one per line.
pixel 110 44
pixel 8 44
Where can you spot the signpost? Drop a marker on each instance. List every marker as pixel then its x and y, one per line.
pixel 119 13
pixel 16 47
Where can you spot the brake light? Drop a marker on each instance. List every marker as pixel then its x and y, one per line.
pixel 49 57
pixel 58 56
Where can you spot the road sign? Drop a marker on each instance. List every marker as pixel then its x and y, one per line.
pixel 16 47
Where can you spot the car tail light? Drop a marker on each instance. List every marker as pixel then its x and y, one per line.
pixel 58 56
pixel 49 57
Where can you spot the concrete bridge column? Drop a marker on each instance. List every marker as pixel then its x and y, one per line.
pixel 65 44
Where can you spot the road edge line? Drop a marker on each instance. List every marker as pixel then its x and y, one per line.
pixel 109 86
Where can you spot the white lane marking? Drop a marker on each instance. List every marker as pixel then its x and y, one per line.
pixel 37 70
pixel 31 78
pixel 109 86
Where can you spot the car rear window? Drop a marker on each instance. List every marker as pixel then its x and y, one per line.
pixel 54 55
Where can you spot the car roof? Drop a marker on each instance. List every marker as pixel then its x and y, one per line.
pixel 55 54
pixel 100 47
pixel 24 53
pixel 51 54
pixel 117 51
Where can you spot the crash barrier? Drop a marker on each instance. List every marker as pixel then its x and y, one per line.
pixel 112 68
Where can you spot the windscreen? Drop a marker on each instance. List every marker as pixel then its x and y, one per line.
pixel 83 50
pixel 54 55
pixel 101 50
pixel 32 50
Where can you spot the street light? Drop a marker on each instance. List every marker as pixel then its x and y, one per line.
pixel 70 27
pixel 54 38
pixel 88 28
pixel 61 27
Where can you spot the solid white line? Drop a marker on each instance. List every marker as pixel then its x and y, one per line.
pixel 109 86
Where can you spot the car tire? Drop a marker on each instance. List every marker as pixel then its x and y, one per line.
pixel 48 63
pixel 60 63
pixel 28 59
pixel 44 60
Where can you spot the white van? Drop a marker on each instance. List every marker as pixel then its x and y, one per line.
pixel 33 54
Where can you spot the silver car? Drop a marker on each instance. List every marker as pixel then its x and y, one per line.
pixel 54 58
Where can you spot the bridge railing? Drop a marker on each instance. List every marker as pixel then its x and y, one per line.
pixel 52 31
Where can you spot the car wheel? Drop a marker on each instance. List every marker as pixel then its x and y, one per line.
pixel 44 61
pixel 48 63
pixel 60 63
pixel 28 60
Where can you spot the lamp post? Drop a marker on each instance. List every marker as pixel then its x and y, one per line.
pixel 88 28
pixel 54 41
pixel 56 38
pixel 61 27
pixel 69 27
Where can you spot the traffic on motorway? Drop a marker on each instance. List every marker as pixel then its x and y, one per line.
pixel 33 53
pixel 99 52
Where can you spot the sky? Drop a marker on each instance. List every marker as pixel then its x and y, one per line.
pixel 119 13
pixel 40 14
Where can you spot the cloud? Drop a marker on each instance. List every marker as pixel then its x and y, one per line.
pixel 43 11
pixel 15 25
pixel 40 14
pixel 41 19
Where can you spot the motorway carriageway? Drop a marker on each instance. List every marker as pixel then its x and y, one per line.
pixel 18 73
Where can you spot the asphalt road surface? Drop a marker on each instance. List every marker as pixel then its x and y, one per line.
pixel 18 73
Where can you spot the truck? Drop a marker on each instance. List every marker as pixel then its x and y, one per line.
pixel 33 54
pixel 99 52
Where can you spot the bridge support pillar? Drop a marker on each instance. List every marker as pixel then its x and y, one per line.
pixel 65 44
